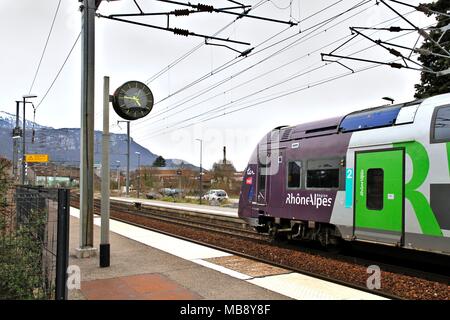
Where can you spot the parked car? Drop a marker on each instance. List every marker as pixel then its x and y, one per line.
pixel 153 195
pixel 170 192
pixel 216 194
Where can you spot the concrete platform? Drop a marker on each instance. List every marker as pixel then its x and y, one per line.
pixel 150 265
pixel 232 212
pixel 139 272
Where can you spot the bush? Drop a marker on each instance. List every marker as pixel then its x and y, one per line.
pixel 21 272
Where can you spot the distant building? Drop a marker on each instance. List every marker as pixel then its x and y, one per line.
pixel 165 177
pixel 52 175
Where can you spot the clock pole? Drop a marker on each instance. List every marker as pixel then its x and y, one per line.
pixel 104 231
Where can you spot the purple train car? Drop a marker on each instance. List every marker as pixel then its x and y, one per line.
pixel 380 175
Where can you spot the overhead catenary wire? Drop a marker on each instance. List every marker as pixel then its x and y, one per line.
pixel 190 52
pixel 210 8
pixel 353 53
pixel 390 19
pixel 280 7
pixel 45 47
pixel 273 97
pixel 234 61
pixel 241 83
pixel 201 44
pixel 138 129
pixel 59 71
pixel 220 108
pixel 302 88
pixel 290 45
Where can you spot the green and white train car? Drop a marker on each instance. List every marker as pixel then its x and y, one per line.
pixel 379 175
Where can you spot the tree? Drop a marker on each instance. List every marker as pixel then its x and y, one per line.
pixel 430 84
pixel 223 177
pixel 5 179
pixel 159 162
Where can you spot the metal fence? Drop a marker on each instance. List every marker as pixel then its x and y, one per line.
pixel 36 239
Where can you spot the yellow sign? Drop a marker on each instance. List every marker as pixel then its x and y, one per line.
pixel 36 158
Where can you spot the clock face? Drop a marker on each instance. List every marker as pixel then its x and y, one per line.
pixel 133 100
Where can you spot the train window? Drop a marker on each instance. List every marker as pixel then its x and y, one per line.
pixel 323 174
pixel 441 127
pixel 294 174
pixel 375 189
pixel 328 178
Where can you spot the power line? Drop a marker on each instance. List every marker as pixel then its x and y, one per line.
pixel 245 82
pixel 222 107
pixel 201 44
pixel 279 7
pixel 305 87
pixel 289 46
pixel 281 95
pixel 208 8
pixel 234 61
pixel 60 69
pixel 45 47
pixel 191 51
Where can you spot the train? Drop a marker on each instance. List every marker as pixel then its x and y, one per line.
pixel 379 175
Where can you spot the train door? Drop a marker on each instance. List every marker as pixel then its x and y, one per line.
pixel 262 188
pixel 276 180
pixel 379 196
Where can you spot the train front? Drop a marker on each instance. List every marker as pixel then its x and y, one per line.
pixel 247 195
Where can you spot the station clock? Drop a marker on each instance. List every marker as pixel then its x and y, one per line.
pixel 133 100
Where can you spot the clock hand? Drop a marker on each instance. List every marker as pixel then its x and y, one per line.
pixel 135 99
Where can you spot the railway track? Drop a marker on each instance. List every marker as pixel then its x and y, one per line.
pixel 222 224
pixel 230 234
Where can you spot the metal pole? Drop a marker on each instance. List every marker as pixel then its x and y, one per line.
pixel 201 171
pixel 128 159
pixel 87 128
pixel 104 236
pixel 139 175
pixel 23 143
pixel 62 244
pixel 118 179
pixel 15 144
pixel 127 180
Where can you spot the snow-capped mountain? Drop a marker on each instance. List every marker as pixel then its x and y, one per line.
pixel 8 120
pixel 63 145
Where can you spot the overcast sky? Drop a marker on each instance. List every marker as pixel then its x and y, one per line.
pixel 209 109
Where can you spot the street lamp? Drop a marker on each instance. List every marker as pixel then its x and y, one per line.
pixel 139 173
pixel 118 176
pixel 25 97
pixel 201 170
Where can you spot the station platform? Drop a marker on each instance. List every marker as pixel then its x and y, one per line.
pixel 147 265
pixel 225 211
